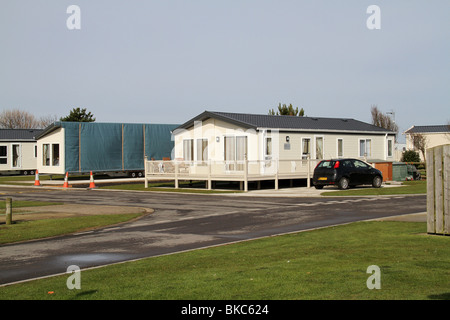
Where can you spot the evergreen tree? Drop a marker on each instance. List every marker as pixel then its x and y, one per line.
pixel 79 115
pixel 285 110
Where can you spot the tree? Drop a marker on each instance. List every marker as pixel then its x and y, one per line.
pixel 79 115
pixel 410 156
pixel 419 142
pixel 18 119
pixel 287 111
pixel 382 120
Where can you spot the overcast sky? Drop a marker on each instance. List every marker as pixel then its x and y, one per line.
pixel 167 61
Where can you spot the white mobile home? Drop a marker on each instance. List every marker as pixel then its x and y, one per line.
pixel 432 136
pixel 236 136
pixel 18 151
pixel 245 147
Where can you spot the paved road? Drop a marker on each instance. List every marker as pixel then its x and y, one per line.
pixel 181 222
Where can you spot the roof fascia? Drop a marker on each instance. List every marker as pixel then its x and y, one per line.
pixel 207 115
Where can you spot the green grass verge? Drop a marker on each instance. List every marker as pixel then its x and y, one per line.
pixel 37 229
pixel 22 204
pixel 322 264
pixel 409 187
pixel 163 188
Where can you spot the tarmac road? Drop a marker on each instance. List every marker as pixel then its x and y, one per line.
pixel 180 222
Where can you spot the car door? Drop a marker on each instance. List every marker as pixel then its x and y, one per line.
pixel 363 174
pixel 348 170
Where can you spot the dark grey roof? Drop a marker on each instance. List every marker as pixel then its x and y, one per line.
pixel 429 129
pixel 19 134
pixel 288 122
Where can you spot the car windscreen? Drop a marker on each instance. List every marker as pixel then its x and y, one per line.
pixel 326 164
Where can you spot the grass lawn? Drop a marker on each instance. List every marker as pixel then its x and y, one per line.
pixel 36 229
pixel 166 187
pixel 409 187
pixel 21 204
pixel 323 264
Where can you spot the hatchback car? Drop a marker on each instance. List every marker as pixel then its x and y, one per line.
pixel 345 173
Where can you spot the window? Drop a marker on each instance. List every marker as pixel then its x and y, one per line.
pixel 45 154
pixel 360 164
pixel 306 147
pixel 188 150
pixel 235 150
pixel 268 147
pixel 3 154
pixel 365 148
pixel 340 148
pixel 202 149
pixel 55 154
pixel 389 150
pixel 241 151
pixel 16 155
pixel 319 148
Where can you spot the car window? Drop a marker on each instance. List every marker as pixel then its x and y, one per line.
pixel 326 164
pixel 347 164
pixel 360 164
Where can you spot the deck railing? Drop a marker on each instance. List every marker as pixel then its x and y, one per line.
pixel 240 170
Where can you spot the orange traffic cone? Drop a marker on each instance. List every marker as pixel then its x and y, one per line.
pixel 66 181
pixel 36 179
pixel 92 184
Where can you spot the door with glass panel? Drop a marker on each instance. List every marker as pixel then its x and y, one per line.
pixel 16 160
pixel 235 152
pixel 319 148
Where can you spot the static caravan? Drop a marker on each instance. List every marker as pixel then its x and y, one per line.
pixel 222 136
pixel 81 147
pixel 433 136
pixel 220 146
pixel 18 153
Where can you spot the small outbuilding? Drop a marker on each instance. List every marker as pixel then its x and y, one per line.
pixel 81 147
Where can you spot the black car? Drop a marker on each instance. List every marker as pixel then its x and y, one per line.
pixel 345 173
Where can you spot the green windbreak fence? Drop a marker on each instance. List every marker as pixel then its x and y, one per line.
pixel 91 146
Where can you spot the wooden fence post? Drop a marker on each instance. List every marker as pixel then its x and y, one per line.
pixel 8 211
pixel 438 190
pixel 145 172
pixel 446 182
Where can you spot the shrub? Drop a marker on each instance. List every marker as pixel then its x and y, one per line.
pixel 410 156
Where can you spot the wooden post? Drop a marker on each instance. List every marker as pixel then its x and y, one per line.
pixel 438 190
pixel 308 180
pixel 145 172
pixel 245 175
pixel 176 174
pixel 8 211
pixel 438 200
pixel 209 174
pixel 446 168
pixel 430 191
pixel 277 163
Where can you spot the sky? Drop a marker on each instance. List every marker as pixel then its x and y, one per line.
pixel 167 61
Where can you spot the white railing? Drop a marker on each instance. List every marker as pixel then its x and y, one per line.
pixel 244 170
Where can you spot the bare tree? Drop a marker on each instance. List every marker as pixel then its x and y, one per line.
pixel 419 142
pixel 45 121
pixel 18 119
pixel 382 120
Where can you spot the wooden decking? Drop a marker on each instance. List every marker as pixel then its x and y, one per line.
pixel 242 171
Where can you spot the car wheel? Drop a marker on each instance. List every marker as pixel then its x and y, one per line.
pixel 343 183
pixel 318 187
pixel 376 183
